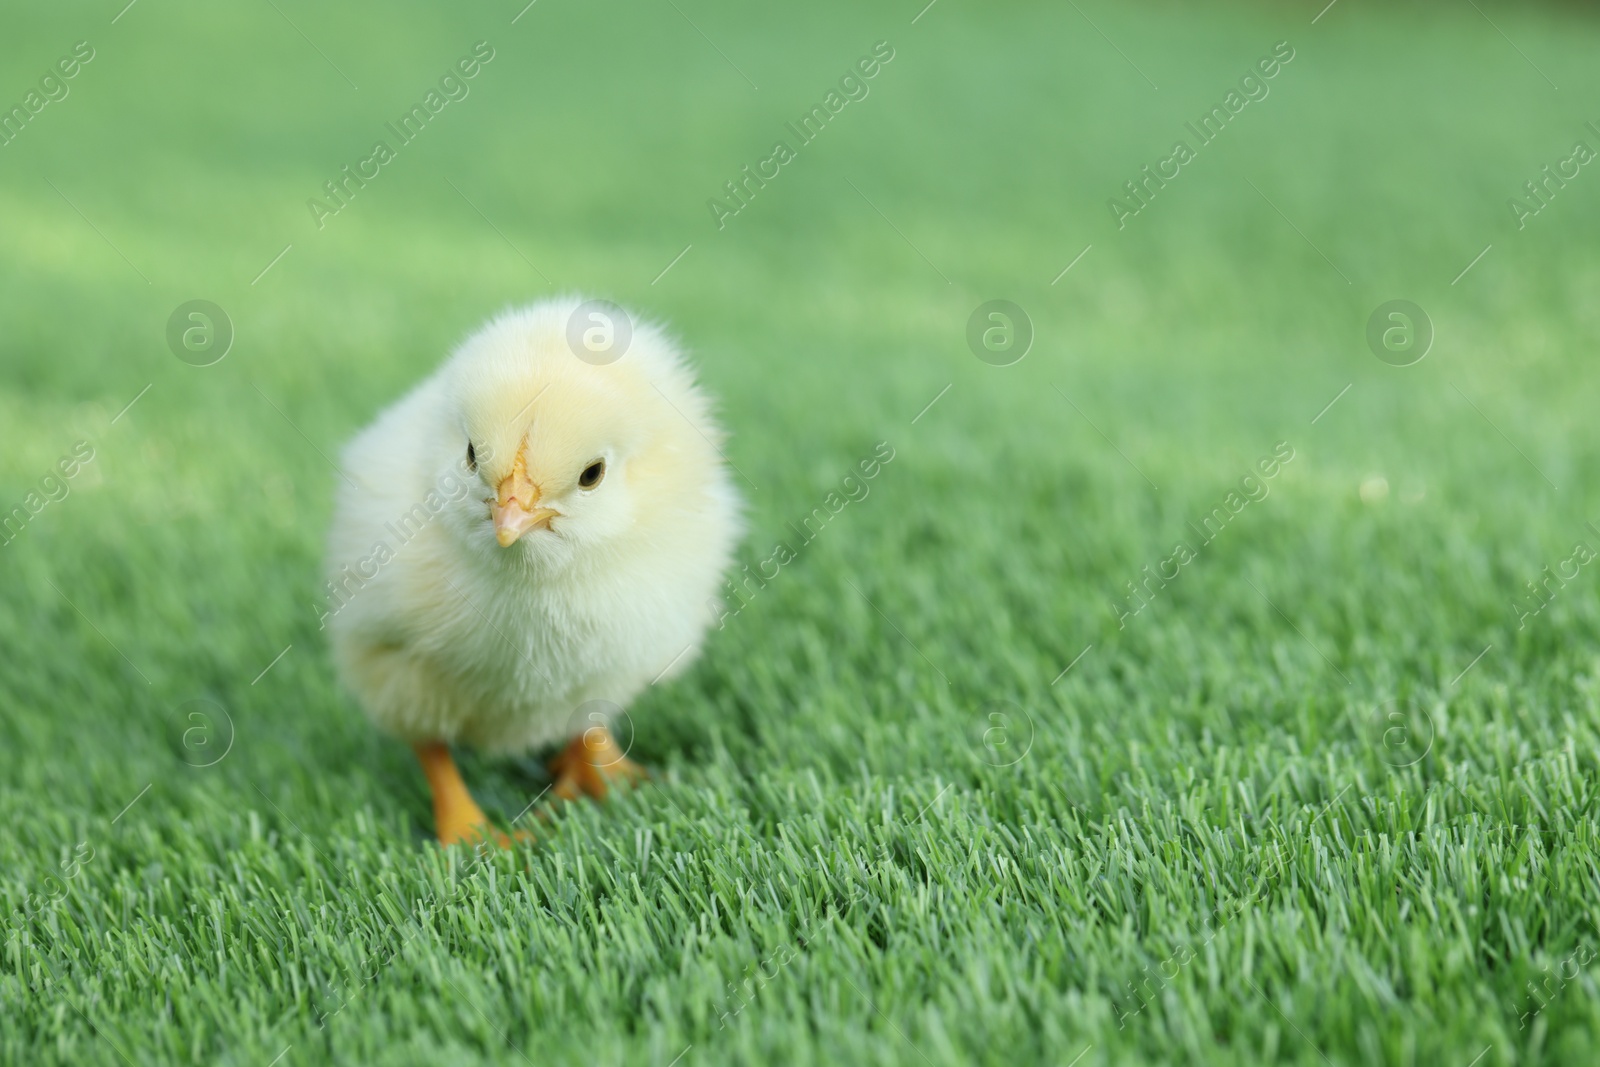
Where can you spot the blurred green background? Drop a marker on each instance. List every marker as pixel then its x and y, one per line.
pixel 1331 774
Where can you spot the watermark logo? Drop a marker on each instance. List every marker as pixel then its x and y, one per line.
pixel 999 333
pixel 741 588
pixel 1405 731
pixel 1005 733
pixel 740 192
pixel 53 487
pixel 1252 489
pixel 605 730
pixel 1542 594
pixel 199 333
pixel 53 88
pixel 340 191
pixel 453 486
pixel 208 732
pixel 599 332
pixel 1399 333
pixel 1544 187
pixel 1253 86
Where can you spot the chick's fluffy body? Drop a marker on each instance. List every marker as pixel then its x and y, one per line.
pixel 455 638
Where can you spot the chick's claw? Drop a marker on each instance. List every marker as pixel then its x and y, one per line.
pixel 590 763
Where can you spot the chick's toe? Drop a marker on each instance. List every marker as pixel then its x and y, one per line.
pixel 590 763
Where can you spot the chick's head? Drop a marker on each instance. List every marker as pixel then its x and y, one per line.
pixel 571 456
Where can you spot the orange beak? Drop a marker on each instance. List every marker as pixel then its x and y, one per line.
pixel 516 509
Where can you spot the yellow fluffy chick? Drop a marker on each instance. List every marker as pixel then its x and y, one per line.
pixel 525 538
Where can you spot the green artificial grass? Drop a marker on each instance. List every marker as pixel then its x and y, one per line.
pixel 1327 796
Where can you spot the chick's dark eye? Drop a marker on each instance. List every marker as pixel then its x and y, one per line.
pixel 592 474
pixel 472 457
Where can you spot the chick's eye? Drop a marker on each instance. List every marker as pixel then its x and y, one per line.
pixel 592 474
pixel 472 457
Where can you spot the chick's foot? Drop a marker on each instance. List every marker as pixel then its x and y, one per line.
pixel 456 816
pixel 590 763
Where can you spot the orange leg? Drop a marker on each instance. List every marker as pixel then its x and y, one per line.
pixel 456 815
pixel 590 763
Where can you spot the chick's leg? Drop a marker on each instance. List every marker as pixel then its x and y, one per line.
pixel 456 815
pixel 590 763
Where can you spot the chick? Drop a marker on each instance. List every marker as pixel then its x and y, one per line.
pixel 533 533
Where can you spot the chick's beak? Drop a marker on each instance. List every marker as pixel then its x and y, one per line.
pixel 516 509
